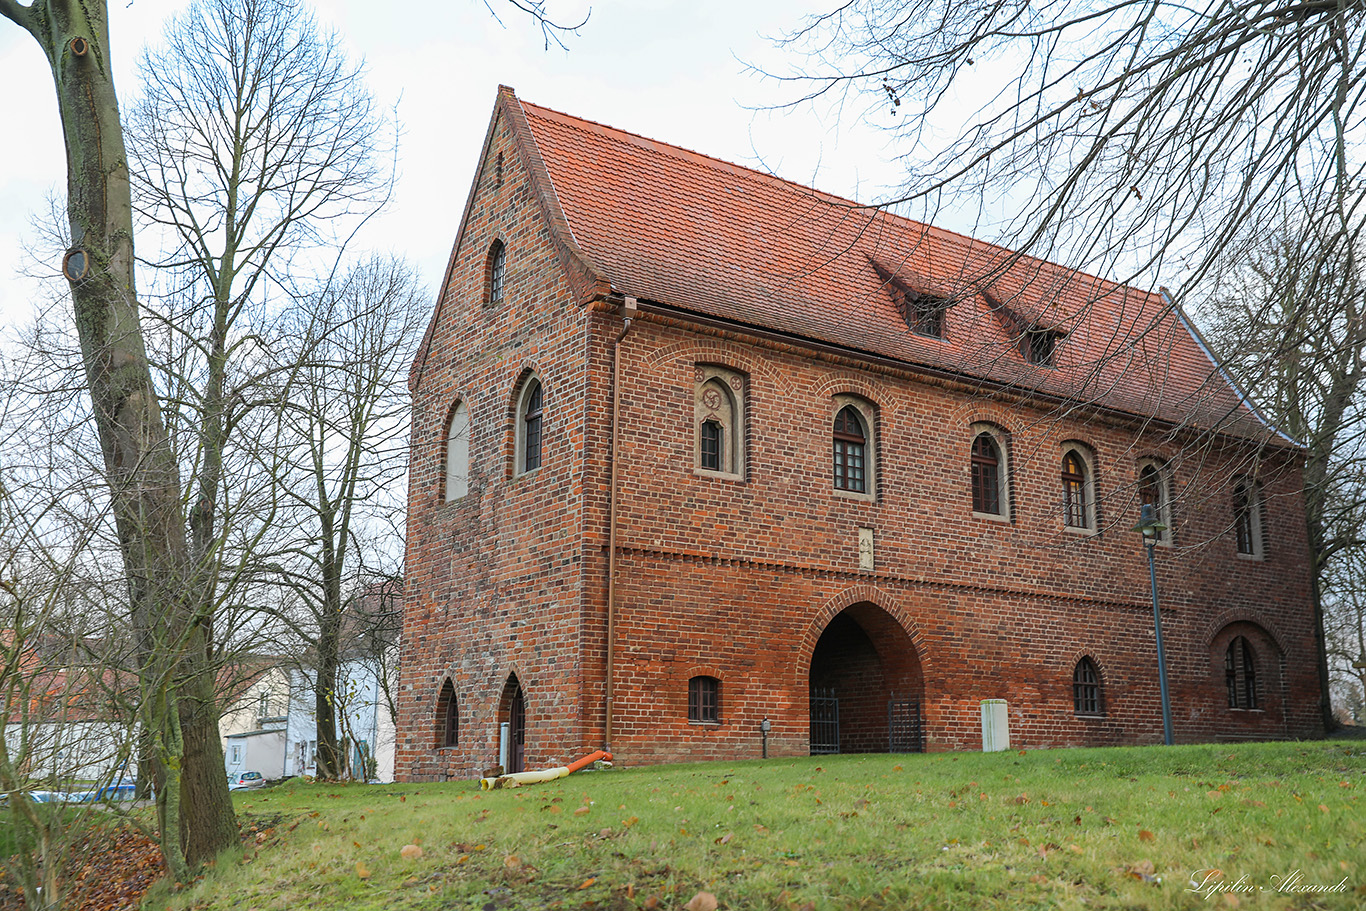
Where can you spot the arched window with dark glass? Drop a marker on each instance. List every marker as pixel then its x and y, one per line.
pixel 447 717
pixel 1240 674
pixel 851 446
pixel 1152 491
pixel 718 422
pixel 713 445
pixel 1247 518
pixel 986 475
pixel 531 419
pixel 704 700
pixel 497 267
pixel 1076 509
pixel 1086 688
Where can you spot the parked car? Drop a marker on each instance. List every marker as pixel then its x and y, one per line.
pixel 239 781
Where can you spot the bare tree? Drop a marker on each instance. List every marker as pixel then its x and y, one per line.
pixel 139 466
pixel 1288 313
pixel 347 430
pixel 1121 134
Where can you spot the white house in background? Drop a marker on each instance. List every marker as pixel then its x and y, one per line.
pixel 272 728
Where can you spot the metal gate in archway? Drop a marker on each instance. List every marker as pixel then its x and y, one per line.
pixel 825 720
pixel 905 732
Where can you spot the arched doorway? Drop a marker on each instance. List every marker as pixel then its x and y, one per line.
pixel 865 684
pixel 512 712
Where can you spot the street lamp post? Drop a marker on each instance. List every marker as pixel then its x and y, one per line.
pixel 1150 527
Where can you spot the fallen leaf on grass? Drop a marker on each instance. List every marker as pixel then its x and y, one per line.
pixel 725 839
pixel 362 870
pixel 702 901
pixel 587 882
pixel 1323 807
pixel 1145 835
pixel 512 862
pixel 583 811
pixel 410 852
pixel 630 821
pixel 652 903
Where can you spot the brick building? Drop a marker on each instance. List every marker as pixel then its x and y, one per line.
pixel 694 447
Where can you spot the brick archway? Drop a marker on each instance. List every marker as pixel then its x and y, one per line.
pixel 864 676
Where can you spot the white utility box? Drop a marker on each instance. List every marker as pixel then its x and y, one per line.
pixel 995 726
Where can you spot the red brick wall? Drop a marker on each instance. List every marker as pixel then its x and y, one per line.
pixel 738 579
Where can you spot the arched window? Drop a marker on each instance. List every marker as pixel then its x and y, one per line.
pixel 704 700
pixel 1240 674
pixel 458 453
pixel 850 448
pixel 1086 688
pixel 1152 491
pixel 1078 488
pixel 530 426
pixel 1247 518
pixel 496 269
pixel 447 717
pixel 987 475
pixel 718 422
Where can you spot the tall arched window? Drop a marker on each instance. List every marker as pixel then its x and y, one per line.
pixel 1152 491
pixel 1247 518
pixel 530 426
pixel 986 475
pixel 1078 488
pixel 458 453
pixel 1086 696
pixel 447 717
pixel 850 451
pixel 718 422
pixel 1240 674
pixel 497 268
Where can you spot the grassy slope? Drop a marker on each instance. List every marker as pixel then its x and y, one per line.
pixel 1103 828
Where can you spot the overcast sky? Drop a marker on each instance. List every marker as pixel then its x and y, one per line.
pixel 673 70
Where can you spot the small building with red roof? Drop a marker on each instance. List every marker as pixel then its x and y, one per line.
pixel 696 448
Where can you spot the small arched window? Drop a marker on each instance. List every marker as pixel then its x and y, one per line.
pixel 704 700
pixel 986 475
pixel 458 453
pixel 1247 518
pixel 497 268
pixel 1240 674
pixel 447 717
pixel 1086 695
pixel 850 451
pixel 718 422
pixel 530 426
pixel 1152 491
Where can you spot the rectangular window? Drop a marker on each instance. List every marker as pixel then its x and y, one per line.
pixel 704 700
pixel 713 438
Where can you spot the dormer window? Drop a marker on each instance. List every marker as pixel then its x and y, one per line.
pixel 924 314
pixel 1038 346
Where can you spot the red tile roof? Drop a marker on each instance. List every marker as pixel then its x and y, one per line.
pixel 667 225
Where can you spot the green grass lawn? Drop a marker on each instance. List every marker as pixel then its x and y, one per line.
pixel 1096 828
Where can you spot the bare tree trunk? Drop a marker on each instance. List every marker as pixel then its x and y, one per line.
pixel 140 468
pixel 329 648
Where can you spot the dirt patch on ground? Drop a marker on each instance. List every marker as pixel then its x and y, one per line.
pixel 109 869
